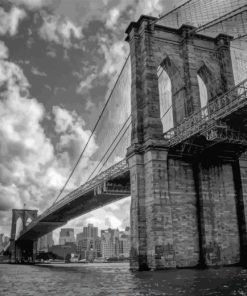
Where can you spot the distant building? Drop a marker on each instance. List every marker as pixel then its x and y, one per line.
pixel 127 230
pixel 5 241
pixel 88 232
pixel 61 251
pixel 98 246
pixel 66 236
pixel 86 249
pixel 1 241
pixel 88 245
pixel 45 242
pixel 124 243
pixel 110 243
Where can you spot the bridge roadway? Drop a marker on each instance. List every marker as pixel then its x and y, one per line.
pixel 109 186
pixel 222 123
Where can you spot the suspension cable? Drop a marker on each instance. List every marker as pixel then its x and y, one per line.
pixel 95 126
pixel 115 146
pixel 109 149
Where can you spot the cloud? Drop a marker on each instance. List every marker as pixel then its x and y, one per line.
pixel 114 56
pixel 32 170
pixel 13 198
pixel 32 4
pixel 114 14
pixel 148 7
pixel 37 72
pixel 60 30
pixel 154 7
pixel 4 52
pixel 63 119
pixel 112 222
pixel 22 140
pixel 86 84
pixel 72 140
pixel 9 21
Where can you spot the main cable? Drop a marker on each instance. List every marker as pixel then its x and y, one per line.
pixel 95 126
pixel 115 147
pixel 109 148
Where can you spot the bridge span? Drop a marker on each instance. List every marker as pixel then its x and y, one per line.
pixel 109 186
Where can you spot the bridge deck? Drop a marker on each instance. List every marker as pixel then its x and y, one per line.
pixel 223 119
pixel 109 186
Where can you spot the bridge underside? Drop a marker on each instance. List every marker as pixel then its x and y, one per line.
pixel 81 203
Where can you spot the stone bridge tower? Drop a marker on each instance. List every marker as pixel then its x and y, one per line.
pixel 20 219
pixel 188 205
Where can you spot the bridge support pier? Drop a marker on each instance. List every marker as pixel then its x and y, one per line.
pixel 186 214
pixel 241 185
pixel 220 224
pixel 148 175
pixel 164 221
pixel 23 251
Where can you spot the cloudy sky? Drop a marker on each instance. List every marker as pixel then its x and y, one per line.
pixel 58 59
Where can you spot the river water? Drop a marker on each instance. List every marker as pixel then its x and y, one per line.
pixel 115 279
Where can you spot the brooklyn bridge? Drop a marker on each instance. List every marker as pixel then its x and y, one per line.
pixel 177 143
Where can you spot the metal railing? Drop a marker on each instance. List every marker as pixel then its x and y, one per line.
pixel 205 118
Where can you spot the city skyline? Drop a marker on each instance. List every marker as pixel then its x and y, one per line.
pixel 77 234
pixel 89 244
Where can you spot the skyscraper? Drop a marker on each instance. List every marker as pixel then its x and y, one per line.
pixel 110 243
pixel 88 242
pixel 66 236
pixel 1 241
pixel 45 242
pixel 124 243
pixel 90 231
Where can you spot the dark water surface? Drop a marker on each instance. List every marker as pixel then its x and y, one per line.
pixel 116 279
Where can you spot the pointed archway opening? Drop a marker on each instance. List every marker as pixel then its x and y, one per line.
pixel 203 97
pixel 29 220
pixel 19 227
pixel 165 99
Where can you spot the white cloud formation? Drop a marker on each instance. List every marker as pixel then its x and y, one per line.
pixel 32 171
pixel 86 84
pixel 60 30
pixel 114 14
pixel 114 56
pixel 37 72
pixel 4 52
pixel 25 151
pixel 9 21
pixel 73 138
pixel 150 7
pixel 32 4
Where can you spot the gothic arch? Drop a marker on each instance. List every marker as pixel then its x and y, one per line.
pixel 19 226
pixel 209 80
pixel 173 72
pixel 28 221
pixel 20 219
pixel 165 99
pixel 29 217
pixel 176 89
